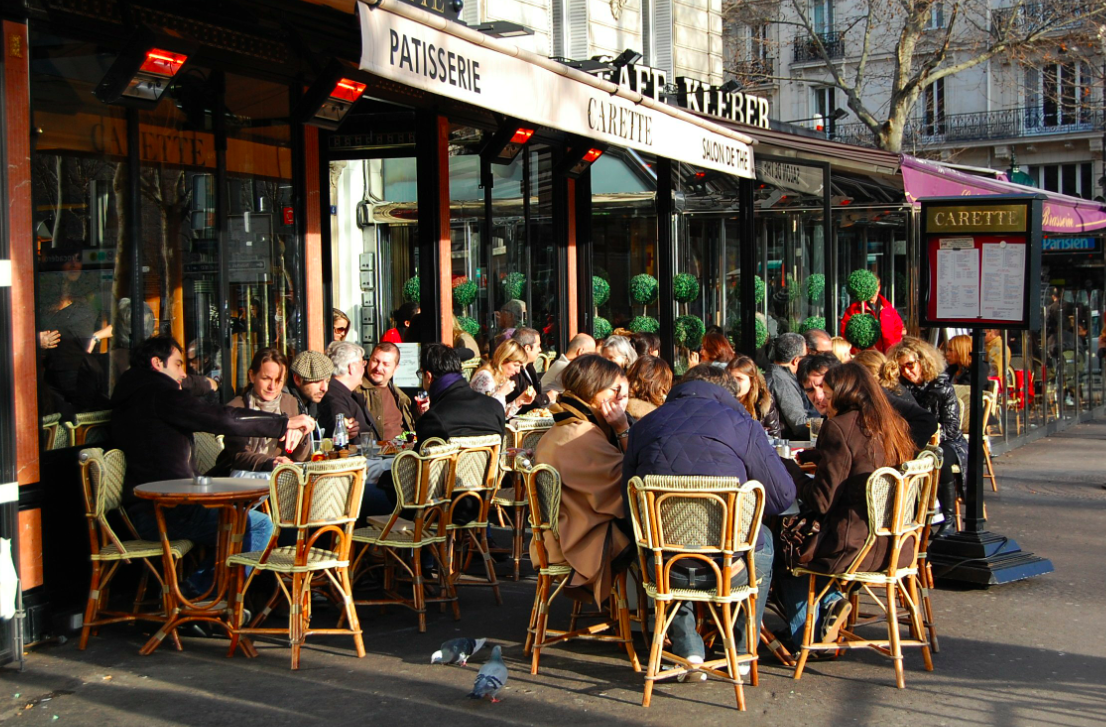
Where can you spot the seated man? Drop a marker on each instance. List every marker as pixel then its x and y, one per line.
pixel 527 377
pixel 341 397
pixel 780 376
pixel 311 372
pixel 580 344
pixel 153 421
pixel 453 409
pixel 702 429
pixel 389 408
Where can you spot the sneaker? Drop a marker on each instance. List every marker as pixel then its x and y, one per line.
pixel 836 616
pixel 693 676
pixel 744 668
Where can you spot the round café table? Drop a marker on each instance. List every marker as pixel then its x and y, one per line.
pixel 233 498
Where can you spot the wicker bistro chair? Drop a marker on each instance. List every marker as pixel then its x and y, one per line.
pixel 421 481
pixel 935 457
pixel 522 433
pixel 54 433
pixel 91 427
pixel 321 500
pixel 474 485
pixel 679 518
pixel 469 367
pixel 207 447
pixel 102 484
pixel 896 513
pixel 543 490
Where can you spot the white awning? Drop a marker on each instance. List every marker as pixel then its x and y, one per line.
pixel 410 46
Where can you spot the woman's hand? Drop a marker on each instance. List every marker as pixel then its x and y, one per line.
pixel 527 397
pixel 292 439
pixel 49 339
pixel 613 412
pixel 692 359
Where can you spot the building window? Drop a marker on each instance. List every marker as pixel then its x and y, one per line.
pixel 1076 180
pixel 822 15
pixel 1058 94
pixel 823 104
pixel 936 19
pixel 933 101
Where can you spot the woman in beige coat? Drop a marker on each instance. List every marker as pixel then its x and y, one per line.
pixel 585 446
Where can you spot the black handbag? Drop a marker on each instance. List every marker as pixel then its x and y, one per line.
pixel 799 538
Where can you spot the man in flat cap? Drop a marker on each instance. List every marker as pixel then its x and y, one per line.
pixel 311 372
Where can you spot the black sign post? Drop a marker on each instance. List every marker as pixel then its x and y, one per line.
pixel 980 268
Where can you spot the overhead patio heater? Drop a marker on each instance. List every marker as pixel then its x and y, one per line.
pixel 144 70
pixel 329 100
pixel 579 158
pixel 505 144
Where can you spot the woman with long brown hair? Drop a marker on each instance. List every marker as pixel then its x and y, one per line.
pixel 752 392
pixel 861 434
pixel 650 381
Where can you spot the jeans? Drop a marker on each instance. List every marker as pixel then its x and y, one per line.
pixel 686 640
pixel 200 525
pixel 792 591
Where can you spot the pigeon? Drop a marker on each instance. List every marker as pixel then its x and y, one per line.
pixel 457 651
pixel 492 677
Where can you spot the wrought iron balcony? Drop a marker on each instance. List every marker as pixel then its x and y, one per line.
pixel 805 48
pixel 1033 16
pixel 754 72
pixel 984 126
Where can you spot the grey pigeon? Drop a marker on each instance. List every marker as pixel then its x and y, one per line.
pixel 492 677
pixel 457 651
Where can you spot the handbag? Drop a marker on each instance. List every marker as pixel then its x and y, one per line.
pixel 799 538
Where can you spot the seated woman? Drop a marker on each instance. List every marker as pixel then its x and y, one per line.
pixel 958 354
pixel 841 349
pixel 618 349
pixel 495 378
pixel 267 375
pixel 923 374
pixel 650 381
pixel 716 350
pixel 754 395
pixel 585 446
pixel 921 422
pixel 402 318
pixel 861 434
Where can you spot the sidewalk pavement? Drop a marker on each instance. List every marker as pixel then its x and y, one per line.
pixel 1027 653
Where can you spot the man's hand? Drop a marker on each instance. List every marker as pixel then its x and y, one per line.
pixel 527 397
pixel 49 339
pixel 422 404
pixel 552 396
pixel 280 461
pixel 302 423
pixel 353 428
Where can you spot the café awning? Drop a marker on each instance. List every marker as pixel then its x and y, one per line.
pixel 1062 214
pixel 410 46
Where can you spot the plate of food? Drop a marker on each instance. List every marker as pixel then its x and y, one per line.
pixel 541 413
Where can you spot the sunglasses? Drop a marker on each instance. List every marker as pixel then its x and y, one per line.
pixel 341 330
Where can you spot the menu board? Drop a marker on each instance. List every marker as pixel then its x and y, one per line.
pixel 407 372
pixel 979 258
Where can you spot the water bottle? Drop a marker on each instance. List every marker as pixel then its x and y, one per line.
pixel 340 435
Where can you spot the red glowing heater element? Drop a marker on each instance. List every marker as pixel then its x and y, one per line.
pixel 522 136
pixel 700 175
pixel 347 90
pixel 162 63
pixel 592 155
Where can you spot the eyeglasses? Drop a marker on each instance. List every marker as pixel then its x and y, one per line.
pixel 909 364
pixel 340 330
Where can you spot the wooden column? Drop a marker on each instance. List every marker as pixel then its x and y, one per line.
pixel 572 320
pixel 435 253
pixel 17 138
pixel 314 312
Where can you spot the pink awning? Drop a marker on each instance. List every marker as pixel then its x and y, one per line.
pixel 1062 214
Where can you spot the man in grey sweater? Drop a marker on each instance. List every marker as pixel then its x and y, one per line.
pixel 782 382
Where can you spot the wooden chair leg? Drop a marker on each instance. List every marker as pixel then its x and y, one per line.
pixel 624 620
pixel 895 646
pixel 351 611
pixel 419 593
pixel 92 608
pixel 990 466
pixel 729 648
pixel 918 628
pixel 926 575
pixel 531 629
pixel 516 540
pixel 751 643
pixel 295 618
pixel 808 631
pixel 541 621
pixel 140 594
pixel 654 652
pixel 481 543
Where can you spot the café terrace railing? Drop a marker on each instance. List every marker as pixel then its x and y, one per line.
pixel 804 49
pixel 983 126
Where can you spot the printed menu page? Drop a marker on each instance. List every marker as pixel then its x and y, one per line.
pixel 1002 281
pixel 957 281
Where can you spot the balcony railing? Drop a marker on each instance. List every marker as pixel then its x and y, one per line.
pixel 755 71
pixel 984 126
pixel 805 49
pixel 1034 16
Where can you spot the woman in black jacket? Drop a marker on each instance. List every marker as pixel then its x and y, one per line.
pixel 754 395
pixel 923 374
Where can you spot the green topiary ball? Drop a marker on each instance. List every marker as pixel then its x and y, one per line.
pixel 600 291
pixel 815 286
pixel 761 333
pixel 644 324
pixel 759 290
pixel 464 291
pixel 862 330
pixel 811 323
pixel 411 291
pixel 862 284
pixel 689 331
pixel 685 288
pixel 644 289
pixel 600 328
pixel 514 285
pixel 469 325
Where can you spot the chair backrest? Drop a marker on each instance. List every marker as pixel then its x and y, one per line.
pixel 477 462
pixel 316 494
pixel 421 480
pixel 56 435
pixel 525 432
pixel 922 468
pixel 894 514
pixel 102 475
pixel 543 490
pixel 468 367
pixel 90 427
pixel 693 517
pixel 207 447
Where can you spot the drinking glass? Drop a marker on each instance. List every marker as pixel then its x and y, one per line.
pixel 815 427
pixel 369 447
